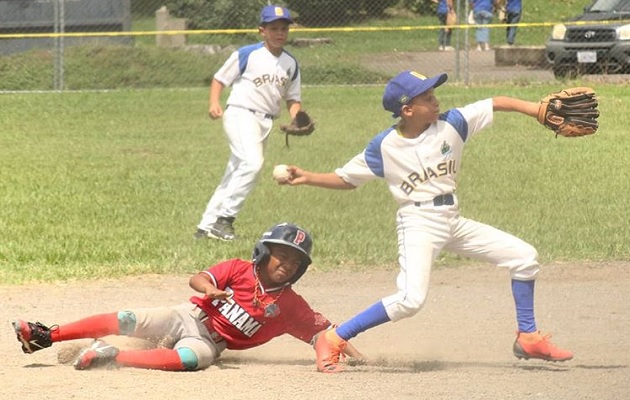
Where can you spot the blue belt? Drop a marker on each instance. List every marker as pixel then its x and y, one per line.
pixel 441 200
pixel 268 116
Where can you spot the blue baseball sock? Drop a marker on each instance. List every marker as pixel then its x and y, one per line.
pixel 523 292
pixel 371 317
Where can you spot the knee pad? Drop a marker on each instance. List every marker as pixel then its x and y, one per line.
pixel 188 357
pixel 126 322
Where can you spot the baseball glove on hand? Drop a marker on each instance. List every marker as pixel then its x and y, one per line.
pixel 301 125
pixel 571 112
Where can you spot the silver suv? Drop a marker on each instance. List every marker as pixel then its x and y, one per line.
pixel 597 41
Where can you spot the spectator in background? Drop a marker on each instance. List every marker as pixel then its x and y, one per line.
pixel 445 7
pixel 513 10
pixel 482 12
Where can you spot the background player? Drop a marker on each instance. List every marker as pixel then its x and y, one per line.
pixel 420 158
pixel 261 76
pixel 244 304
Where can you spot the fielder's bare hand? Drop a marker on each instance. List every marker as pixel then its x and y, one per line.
pixel 296 176
pixel 330 180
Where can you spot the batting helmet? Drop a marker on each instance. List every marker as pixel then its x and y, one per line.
pixel 288 235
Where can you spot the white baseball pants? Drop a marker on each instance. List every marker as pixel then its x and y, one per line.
pixel 247 134
pixel 423 232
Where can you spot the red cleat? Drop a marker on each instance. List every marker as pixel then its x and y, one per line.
pixel 535 345
pixel 97 355
pixel 34 336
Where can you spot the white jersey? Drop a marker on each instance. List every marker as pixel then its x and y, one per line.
pixel 417 170
pixel 260 80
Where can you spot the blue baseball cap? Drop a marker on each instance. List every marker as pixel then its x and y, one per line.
pixel 272 13
pixel 405 86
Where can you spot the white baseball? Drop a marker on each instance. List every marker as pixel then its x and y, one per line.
pixel 281 173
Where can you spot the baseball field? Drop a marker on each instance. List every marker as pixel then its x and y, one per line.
pixel 100 193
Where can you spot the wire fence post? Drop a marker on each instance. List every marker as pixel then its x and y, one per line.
pixel 58 48
pixel 466 46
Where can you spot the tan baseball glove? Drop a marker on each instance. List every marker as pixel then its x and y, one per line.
pixel 570 112
pixel 301 125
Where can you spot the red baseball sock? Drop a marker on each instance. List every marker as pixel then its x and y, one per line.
pixel 163 359
pixel 95 326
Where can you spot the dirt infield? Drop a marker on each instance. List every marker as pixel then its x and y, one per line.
pixel 458 347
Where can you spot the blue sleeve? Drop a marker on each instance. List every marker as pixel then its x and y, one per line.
pixel 374 156
pixel 455 118
pixel 297 66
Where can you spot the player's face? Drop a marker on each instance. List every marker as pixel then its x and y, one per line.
pixel 283 263
pixel 275 34
pixel 425 107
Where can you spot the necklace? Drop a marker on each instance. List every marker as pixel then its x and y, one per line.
pixel 271 308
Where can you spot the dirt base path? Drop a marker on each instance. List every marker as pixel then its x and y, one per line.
pixel 458 347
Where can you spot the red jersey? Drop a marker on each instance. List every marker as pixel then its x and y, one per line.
pixel 243 324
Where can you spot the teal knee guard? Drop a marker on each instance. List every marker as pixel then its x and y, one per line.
pixel 188 358
pixel 126 322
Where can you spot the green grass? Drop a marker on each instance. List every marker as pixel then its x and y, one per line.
pixel 114 183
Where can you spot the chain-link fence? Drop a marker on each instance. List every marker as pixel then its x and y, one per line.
pixel 108 44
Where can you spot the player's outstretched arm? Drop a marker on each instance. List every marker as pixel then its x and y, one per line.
pixel 571 112
pixel 504 103
pixel 329 180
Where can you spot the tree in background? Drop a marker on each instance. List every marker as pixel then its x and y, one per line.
pixel 243 14
pixel 217 14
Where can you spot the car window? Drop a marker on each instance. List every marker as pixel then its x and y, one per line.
pixel 610 5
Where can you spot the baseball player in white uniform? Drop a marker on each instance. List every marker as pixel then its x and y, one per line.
pixel 420 157
pixel 261 76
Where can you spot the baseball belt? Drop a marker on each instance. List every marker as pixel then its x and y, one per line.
pixel 441 200
pixel 203 318
pixel 268 116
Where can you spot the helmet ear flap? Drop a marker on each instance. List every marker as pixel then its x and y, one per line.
pixel 300 271
pixel 261 253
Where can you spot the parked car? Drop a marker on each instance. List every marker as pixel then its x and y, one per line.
pixel 598 41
